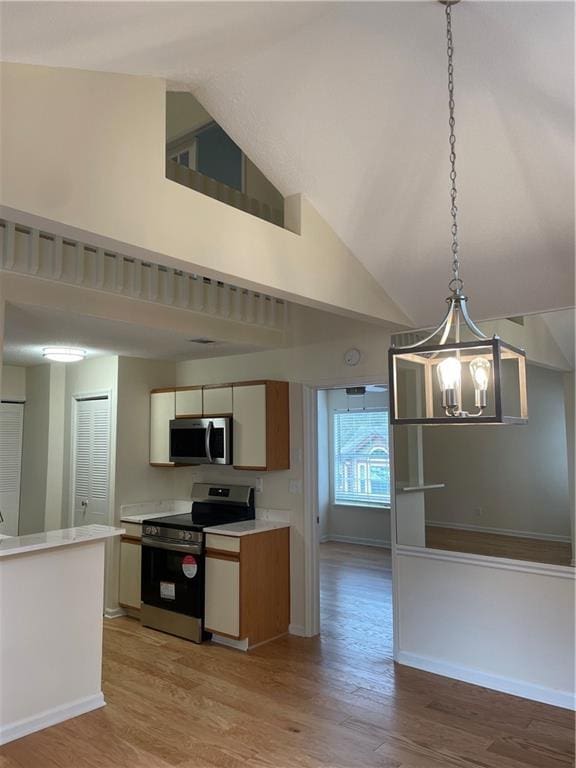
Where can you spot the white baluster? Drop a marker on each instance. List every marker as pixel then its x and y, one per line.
pixel 80 256
pixel 9 245
pixel 33 251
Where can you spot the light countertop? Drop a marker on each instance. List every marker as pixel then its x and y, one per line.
pixel 246 527
pixel 17 545
pixel 143 510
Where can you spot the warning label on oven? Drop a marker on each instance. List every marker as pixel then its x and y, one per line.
pixel 168 590
pixel 189 566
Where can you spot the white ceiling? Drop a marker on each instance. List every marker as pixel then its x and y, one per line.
pixel 29 329
pixel 346 103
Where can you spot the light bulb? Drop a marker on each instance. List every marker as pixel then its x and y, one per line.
pixel 480 371
pixel 449 371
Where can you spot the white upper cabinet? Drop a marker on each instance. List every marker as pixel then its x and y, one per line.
pixel 162 410
pixel 249 430
pixel 217 401
pixel 189 402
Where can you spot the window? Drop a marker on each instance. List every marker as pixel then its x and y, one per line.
pixel 361 461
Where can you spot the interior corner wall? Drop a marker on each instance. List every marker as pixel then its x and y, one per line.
pixel 35 447
pixel 136 480
pixel 569 392
pixel 55 459
pixel 516 475
pixel 13 384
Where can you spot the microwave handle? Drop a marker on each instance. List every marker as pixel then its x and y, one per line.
pixel 207 441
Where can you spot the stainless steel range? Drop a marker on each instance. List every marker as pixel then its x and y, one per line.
pixel 173 567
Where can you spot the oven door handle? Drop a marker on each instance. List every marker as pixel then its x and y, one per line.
pixel 207 441
pixel 192 549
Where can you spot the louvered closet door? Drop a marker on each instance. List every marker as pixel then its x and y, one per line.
pixel 91 460
pixel 11 423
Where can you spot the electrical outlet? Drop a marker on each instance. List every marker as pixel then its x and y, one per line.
pixel 478 511
pixel 259 484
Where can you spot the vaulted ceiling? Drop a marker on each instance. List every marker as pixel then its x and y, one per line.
pixel 346 103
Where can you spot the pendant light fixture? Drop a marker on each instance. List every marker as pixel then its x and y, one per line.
pixel 443 379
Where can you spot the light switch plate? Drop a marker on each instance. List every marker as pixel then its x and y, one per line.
pixel 295 486
pixel 259 484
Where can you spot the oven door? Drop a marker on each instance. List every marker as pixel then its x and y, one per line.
pixel 201 441
pixel 173 577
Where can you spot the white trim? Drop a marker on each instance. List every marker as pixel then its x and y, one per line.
pixel 311 513
pixel 230 642
pixel 485 561
pixel 532 691
pixel 353 540
pixel 298 630
pixel 50 717
pixel 501 531
pixel 114 613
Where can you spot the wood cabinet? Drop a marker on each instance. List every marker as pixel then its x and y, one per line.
pixel 261 436
pixel 162 410
pixel 189 402
pixel 130 565
pixel 261 421
pixel 248 585
pixel 217 401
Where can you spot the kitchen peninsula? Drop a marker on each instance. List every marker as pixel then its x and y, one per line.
pixel 51 612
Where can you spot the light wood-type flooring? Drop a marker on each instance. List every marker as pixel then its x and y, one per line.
pixel 335 701
pixel 498 545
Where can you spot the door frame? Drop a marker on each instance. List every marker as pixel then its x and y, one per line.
pixel 75 398
pixel 311 528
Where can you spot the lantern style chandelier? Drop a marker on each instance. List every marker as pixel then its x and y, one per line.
pixel 443 379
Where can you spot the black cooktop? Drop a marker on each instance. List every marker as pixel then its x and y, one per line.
pixel 184 522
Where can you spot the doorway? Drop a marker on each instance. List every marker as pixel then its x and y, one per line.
pixel 91 433
pixel 353 517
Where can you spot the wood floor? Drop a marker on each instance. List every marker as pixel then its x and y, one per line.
pixel 336 701
pixel 498 545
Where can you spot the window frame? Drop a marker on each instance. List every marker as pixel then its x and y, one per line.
pixel 332 457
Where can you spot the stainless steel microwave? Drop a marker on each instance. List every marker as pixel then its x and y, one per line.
pixel 201 441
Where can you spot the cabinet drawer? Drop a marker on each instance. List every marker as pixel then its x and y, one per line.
pixel 189 402
pixel 132 529
pixel 222 543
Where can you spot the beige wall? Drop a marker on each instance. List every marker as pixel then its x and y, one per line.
pixel 47 177
pixel 13 383
pixel 516 475
pixel 183 114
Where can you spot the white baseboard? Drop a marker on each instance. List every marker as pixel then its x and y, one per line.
pixel 298 630
pixel 502 531
pixel 50 717
pixel 229 642
pixel 114 613
pixel 564 699
pixel 353 540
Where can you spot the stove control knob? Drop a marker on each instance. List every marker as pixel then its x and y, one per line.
pixel 181 534
pixel 151 530
pixel 187 535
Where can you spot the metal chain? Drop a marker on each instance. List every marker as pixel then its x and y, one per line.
pixel 456 283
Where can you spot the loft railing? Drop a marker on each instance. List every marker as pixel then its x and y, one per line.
pixel 41 254
pixel 222 192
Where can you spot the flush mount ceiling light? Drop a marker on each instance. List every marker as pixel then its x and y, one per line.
pixel 442 379
pixel 64 354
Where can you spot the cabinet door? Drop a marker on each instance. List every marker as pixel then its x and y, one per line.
pixel 249 436
pixel 130 563
pixel 162 409
pixel 222 610
pixel 217 401
pixel 189 402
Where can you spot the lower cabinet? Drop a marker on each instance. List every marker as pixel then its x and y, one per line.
pixel 222 612
pixel 248 585
pixel 130 563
